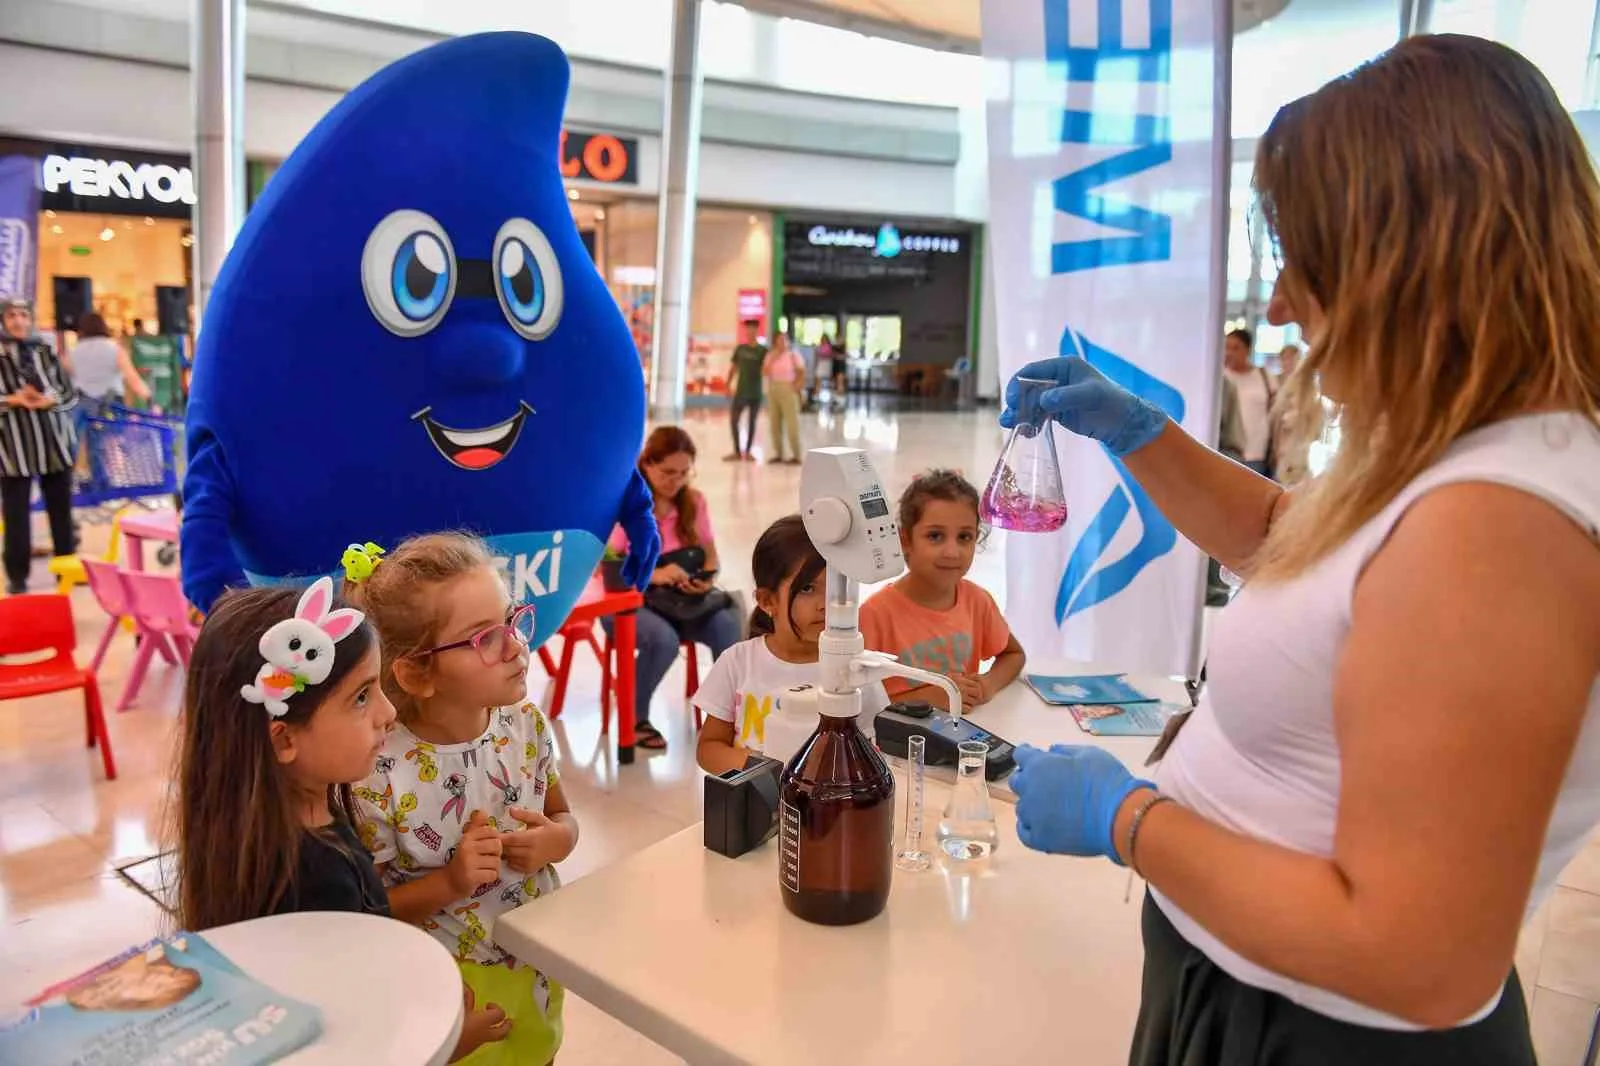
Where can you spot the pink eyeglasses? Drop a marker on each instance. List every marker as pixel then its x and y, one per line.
pixel 496 643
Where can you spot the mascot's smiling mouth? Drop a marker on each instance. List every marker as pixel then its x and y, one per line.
pixel 475 449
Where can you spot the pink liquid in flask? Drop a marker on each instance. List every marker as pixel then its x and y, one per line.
pixel 1021 513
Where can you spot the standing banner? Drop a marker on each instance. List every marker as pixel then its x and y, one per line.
pixel 1109 155
pixel 19 225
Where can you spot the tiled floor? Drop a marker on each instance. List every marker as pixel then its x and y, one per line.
pixel 63 831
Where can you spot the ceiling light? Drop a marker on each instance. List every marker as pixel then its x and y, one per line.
pixel 186 240
pixel 49 213
pixel 56 228
pixel 754 220
pixel 572 194
pixel 107 233
pixel 148 221
pixel 599 214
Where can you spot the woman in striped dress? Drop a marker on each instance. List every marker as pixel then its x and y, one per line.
pixel 38 439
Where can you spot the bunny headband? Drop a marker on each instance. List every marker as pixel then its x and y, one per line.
pixel 299 650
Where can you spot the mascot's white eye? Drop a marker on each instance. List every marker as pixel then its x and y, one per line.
pixel 527 279
pixel 408 271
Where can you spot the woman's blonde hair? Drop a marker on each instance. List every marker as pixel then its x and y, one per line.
pixel 400 598
pixel 1440 205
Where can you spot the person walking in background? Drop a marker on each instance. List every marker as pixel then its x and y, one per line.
pixel 38 439
pixel 1230 442
pixel 744 386
pixel 786 382
pixel 1293 430
pixel 102 370
pixel 1256 393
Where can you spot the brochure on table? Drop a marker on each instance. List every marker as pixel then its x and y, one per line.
pixel 168 1002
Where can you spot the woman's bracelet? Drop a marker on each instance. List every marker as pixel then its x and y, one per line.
pixel 1136 822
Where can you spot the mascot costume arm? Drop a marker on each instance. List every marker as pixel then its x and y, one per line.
pixel 409 335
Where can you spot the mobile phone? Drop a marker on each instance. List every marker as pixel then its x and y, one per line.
pixel 705 575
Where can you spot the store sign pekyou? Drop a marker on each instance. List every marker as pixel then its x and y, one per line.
pixel 599 157
pixel 886 241
pixel 115 182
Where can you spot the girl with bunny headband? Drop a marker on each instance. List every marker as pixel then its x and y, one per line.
pixel 283 713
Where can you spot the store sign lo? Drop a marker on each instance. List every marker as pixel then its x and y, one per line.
pixel 599 157
pixel 886 243
pixel 118 179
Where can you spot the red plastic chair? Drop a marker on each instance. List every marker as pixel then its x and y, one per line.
pixel 34 623
pixel 162 614
pixel 576 633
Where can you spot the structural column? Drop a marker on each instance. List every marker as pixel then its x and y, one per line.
pixel 216 73
pixel 680 168
pixel 1416 16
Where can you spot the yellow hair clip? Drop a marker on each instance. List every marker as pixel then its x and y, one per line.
pixel 360 560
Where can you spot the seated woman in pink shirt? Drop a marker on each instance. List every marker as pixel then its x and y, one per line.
pixel 667 463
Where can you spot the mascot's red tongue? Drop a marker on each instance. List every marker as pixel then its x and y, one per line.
pixel 478 458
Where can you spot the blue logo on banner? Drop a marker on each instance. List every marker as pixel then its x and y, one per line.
pixel 549 570
pixel 1149 137
pixel 1146 237
pixel 888 241
pixel 1082 586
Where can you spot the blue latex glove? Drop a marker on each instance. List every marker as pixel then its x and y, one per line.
pixel 638 520
pixel 1067 799
pixel 1086 402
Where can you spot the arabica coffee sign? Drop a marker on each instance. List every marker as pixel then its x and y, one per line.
pixel 115 182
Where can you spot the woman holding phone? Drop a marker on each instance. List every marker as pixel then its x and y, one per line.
pixel 683 603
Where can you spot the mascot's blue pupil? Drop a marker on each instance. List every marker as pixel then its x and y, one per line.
pixel 520 282
pixel 421 276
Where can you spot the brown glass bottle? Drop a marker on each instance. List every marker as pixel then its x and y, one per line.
pixel 836 827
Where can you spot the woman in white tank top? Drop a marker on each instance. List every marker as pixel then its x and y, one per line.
pixel 1400 746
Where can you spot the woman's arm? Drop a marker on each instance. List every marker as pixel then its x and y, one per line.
pixel 715 752
pixel 1224 508
pixel 1453 750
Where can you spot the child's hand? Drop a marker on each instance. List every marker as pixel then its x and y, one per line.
pixel 477 858
pixel 479 1027
pixel 543 842
pixel 971 689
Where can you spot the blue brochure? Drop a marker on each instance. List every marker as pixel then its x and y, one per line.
pixel 168 1002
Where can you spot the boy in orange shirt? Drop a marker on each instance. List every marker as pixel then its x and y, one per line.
pixel 933 617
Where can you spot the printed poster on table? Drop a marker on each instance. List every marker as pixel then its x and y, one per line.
pixel 1109 152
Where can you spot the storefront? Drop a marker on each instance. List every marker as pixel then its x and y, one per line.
pixel 97 229
pixel 898 294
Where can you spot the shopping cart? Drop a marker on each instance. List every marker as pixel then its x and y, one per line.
pixel 126 456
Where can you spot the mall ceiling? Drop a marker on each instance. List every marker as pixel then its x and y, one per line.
pixel 946 24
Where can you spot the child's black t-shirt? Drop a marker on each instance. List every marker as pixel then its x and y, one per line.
pixel 335 874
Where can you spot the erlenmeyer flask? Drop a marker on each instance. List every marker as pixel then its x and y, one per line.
pixel 967 830
pixel 1025 492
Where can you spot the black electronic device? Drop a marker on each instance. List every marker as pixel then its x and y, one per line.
pixel 742 807
pixel 74 298
pixel 899 722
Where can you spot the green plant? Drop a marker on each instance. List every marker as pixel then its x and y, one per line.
pixel 612 555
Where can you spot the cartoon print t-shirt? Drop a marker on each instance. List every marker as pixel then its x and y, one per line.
pixel 416 803
pixel 745 684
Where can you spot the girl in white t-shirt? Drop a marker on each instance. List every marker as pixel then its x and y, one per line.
pixel 744 686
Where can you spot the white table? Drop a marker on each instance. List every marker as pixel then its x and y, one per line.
pixel 1037 961
pixel 389 992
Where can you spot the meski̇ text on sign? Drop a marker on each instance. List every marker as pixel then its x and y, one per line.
pixel 1103 192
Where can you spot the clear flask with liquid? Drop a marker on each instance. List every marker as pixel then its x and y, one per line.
pixel 836 827
pixel 967 830
pixel 1025 492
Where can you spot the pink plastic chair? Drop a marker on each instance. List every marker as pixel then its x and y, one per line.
pixel 162 614
pixel 105 581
